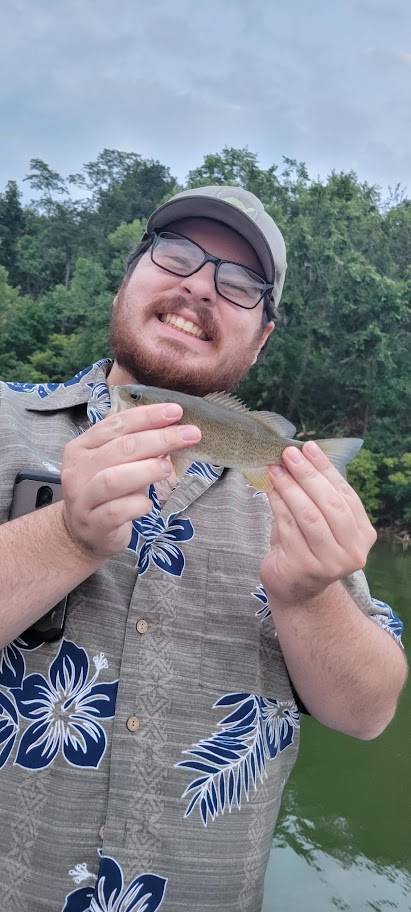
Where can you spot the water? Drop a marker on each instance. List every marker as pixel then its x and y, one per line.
pixel 343 840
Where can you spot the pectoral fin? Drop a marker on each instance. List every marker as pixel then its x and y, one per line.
pixel 258 477
pixel 180 462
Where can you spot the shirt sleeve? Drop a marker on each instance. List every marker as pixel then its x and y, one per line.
pixel 377 610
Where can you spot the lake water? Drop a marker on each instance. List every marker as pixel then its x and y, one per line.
pixel 343 841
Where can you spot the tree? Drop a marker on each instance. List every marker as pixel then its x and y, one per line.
pixel 12 223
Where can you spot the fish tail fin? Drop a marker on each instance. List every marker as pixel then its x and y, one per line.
pixel 340 450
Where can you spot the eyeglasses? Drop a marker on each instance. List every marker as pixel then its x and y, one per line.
pixel 181 256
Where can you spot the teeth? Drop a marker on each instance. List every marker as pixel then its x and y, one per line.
pixel 185 325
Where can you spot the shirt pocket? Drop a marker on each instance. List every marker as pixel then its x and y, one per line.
pixel 240 651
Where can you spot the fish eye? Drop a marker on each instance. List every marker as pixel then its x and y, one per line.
pixel 135 396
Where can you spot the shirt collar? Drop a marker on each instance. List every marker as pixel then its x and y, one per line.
pixel 88 386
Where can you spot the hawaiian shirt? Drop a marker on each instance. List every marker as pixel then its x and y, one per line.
pixel 143 756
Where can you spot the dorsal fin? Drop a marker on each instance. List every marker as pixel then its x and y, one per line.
pixel 227 401
pixel 276 423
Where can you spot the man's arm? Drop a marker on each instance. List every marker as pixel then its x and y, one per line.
pixel 40 564
pixel 347 671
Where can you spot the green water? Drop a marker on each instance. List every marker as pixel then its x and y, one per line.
pixel 343 841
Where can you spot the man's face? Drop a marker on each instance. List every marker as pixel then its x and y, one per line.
pixel 149 350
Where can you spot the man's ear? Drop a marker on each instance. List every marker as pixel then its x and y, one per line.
pixel 263 338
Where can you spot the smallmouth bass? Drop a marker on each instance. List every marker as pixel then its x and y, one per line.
pixel 232 435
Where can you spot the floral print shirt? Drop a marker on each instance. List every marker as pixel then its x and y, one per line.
pixel 143 755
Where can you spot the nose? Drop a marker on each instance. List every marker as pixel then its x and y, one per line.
pixel 201 284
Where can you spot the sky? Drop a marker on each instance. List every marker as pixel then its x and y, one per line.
pixel 327 82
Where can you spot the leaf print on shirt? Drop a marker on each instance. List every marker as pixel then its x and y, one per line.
pixel 153 538
pixel 12 664
pixel 9 726
pixel 264 611
pixel 144 894
pixel 204 470
pixel 233 759
pixel 64 711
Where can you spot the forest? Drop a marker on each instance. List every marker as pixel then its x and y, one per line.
pixel 339 361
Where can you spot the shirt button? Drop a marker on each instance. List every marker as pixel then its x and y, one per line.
pixel 133 724
pixel 141 626
pixel 101 832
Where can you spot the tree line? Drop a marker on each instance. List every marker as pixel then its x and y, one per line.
pixel 339 360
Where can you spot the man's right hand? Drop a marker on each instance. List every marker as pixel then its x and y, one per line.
pixel 107 470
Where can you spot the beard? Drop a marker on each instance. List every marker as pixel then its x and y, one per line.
pixel 178 372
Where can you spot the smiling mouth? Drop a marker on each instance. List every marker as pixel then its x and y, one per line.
pixel 184 326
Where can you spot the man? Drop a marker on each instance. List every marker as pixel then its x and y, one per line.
pixel 144 754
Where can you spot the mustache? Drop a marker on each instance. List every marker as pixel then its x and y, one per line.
pixel 176 303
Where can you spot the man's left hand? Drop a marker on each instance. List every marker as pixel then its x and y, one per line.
pixel 321 532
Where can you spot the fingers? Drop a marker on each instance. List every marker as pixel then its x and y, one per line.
pixel 145 445
pixel 301 522
pixel 126 480
pixel 328 490
pixel 114 515
pixel 131 420
pixel 314 501
pixel 286 531
pixel 319 461
pixel 106 473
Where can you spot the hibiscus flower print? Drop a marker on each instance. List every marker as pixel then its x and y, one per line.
pixel 154 539
pixel 65 710
pixel 12 664
pixel 144 894
pixel 9 726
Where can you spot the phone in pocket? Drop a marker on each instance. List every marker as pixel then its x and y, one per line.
pixel 32 491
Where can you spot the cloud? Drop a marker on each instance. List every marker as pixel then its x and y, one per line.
pixel 325 83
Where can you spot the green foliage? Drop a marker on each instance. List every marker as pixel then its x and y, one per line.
pixel 396 487
pixel 362 474
pixel 337 364
pixel 123 240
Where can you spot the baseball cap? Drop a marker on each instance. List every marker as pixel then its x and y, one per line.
pixel 240 210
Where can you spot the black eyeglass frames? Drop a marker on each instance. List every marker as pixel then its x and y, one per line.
pixel 181 256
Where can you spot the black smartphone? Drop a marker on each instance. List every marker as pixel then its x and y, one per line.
pixel 32 491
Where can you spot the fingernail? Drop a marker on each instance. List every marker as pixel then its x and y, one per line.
pixel 294 455
pixel 189 433
pixel 172 410
pixel 312 448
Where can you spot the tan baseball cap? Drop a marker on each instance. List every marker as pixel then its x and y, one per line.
pixel 240 210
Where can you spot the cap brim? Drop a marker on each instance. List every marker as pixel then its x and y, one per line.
pixel 205 207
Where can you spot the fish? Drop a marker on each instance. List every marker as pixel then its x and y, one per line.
pixel 232 435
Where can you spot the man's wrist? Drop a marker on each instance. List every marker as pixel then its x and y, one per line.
pixel 84 557
pixel 301 598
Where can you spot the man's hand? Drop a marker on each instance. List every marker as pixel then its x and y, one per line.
pixel 321 532
pixel 107 470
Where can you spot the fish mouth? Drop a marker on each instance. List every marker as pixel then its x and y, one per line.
pixel 183 325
